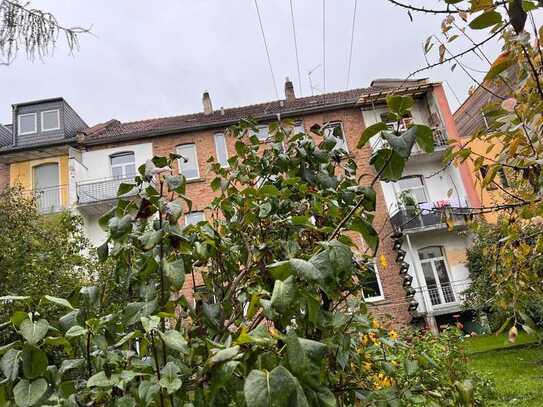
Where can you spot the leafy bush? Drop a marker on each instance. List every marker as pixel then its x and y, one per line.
pixel 279 317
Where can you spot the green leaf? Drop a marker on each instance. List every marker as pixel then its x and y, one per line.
pixel 34 362
pixel 502 63
pixel 264 210
pixel 10 298
pixel 59 301
pixel 400 104
pixel 33 332
pixel 100 379
pixel 147 391
pixel 10 364
pixel 389 164
pixel 135 310
pixel 175 273
pixel 125 339
pixel 367 231
pixel 487 19
pixel 125 188
pixel 150 323
pixel 75 331
pixel 283 295
pixel 169 379
pixel 69 364
pixel 224 354
pixel 424 137
pixel 369 132
pixel 275 388
pixel 29 393
pixel 411 366
pixel 176 183
pixel 174 340
pixel 402 144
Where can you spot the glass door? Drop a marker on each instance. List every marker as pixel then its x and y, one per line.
pixel 436 275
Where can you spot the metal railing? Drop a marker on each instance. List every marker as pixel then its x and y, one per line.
pixel 441 142
pixel 49 199
pixel 444 294
pixel 413 218
pixel 105 189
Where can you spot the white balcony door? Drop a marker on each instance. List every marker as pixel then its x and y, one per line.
pixel 46 187
pixel 436 275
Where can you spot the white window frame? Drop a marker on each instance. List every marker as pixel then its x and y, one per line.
pixel 58 119
pixel 194 213
pixel 399 190
pixel 21 133
pixel 225 164
pixel 123 166
pixel 332 125
pixel 378 278
pixel 439 287
pixel 181 146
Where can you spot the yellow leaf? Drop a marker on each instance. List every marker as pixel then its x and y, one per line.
pixel 383 261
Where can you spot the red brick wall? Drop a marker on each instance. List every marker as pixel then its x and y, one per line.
pixel 353 125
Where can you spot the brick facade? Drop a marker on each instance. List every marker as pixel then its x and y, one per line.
pixel 201 194
pixel 4 176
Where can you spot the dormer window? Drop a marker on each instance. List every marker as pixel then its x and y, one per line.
pixel 27 123
pixel 50 120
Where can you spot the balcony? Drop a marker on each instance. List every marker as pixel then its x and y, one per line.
pixel 441 142
pixel 98 195
pixel 50 199
pixel 444 298
pixel 431 216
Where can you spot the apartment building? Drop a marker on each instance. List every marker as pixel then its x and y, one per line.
pixel 100 157
pixel 472 117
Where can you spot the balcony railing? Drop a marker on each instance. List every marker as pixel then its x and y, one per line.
pixel 95 191
pixel 49 199
pixel 441 142
pixel 445 295
pixel 431 216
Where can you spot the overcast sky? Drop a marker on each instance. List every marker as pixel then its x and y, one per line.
pixel 155 58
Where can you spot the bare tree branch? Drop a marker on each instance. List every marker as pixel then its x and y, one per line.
pixel 32 30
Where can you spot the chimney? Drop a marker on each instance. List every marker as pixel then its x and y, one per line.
pixel 206 101
pixel 289 90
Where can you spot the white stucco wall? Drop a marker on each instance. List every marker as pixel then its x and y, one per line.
pixel 95 165
pixel 97 162
pixel 454 245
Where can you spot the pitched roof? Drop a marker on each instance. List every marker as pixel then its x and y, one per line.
pixel 5 136
pixel 114 130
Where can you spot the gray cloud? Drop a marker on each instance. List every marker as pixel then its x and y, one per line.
pixel 155 58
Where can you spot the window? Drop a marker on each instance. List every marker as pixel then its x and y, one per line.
pixel 27 123
pixel 263 133
pixel 188 164
pixel 45 179
pixel 336 129
pixel 50 120
pixel 220 148
pixel 194 217
pixel 371 284
pixel 413 186
pixel 123 165
pixel 299 127
pixel 436 275
pixel 392 122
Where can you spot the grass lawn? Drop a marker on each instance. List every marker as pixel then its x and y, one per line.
pixel 516 369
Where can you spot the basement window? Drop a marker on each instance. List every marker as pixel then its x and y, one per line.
pixel 27 123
